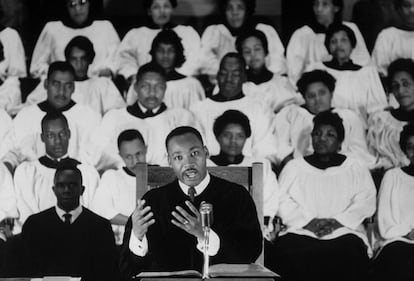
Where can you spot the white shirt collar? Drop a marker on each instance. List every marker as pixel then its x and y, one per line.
pixel 144 109
pixel 58 159
pixel 199 188
pixel 75 213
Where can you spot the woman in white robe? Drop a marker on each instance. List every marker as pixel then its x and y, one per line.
pixel 182 91
pixel 385 126
pixel 325 197
pixel 306 45
pixel 396 217
pixel 357 87
pixel 134 49
pixel 293 124
pixel 219 39
pixel 80 21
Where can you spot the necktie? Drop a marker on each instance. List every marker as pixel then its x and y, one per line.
pixel 191 193
pixel 67 218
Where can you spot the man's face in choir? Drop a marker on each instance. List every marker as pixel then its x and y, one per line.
pixel 78 11
pixel 60 86
pixel 317 97
pixel 231 77
pixel 232 139
pixel 187 156
pixel 324 11
pixel 150 89
pixel 55 135
pixel 78 58
pixel 340 46
pixel 68 189
pixel 406 11
pixel 165 56
pixel 254 53
pixel 235 13
pixel 409 149
pixel 402 86
pixel 160 12
pixel 132 152
pixel 325 140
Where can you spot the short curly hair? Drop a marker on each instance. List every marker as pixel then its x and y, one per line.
pixel 168 36
pixel 232 117
pixel 336 28
pixel 400 65
pixel 313 77
pixel 147 3
pixel 406 133
pixel 330 118
pixel 252 33
pixel 82 43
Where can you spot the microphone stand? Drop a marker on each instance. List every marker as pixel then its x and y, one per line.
pixel 205 252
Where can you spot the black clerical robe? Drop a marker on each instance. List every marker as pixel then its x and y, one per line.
pixel 85 248
pixel 170 248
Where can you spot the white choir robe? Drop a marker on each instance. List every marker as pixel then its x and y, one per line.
pixel 14 63
pixel 33 183
pixel 360 90
pixel 271 190
pixel 181 93
pixel 395 214
pixel 383 139
pixel 10 95
pixel 24 137
pixel 261 144
pixel 217 41
pixel 307 47
pixel 392 43
pixel 6 126
pixel 345 193
pixel 293 125
pixel 55 36
pixel 8 200
pixel 116 195
pixel 273 94
pixel 153 129
pixel 135 47
pixel 99 93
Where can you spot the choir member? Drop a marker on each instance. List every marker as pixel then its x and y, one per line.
pixel 80 20
pixel 168 52
pixel 325 198
pixel 219 39
pixel 293 124
pixel 33 179
pixel 134 50
pixel 274 91
pixel 164 233
pixel 306 45
pixel 384 127
pixel 115 199
pixel 395 217
pixel 395 42
pixel 8 204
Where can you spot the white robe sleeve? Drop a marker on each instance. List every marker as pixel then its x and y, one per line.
pixel 209 59
pixel 112 43
pixel 103 203
pixel 42 52
pixel 192 48
pixel 8 200
pixel 376 97
pixel 381 56
pixel 15 58
pixel 360 54
pixel 10 94
pixel 127 54
pixel 271 190
pixel 296 54
pixel 91 182
pixel 110 96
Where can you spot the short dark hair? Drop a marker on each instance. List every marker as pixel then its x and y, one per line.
pixel 335 28
pixel 150 67
pixel 313 77
pixel 54 115
pixel 234 55
pixel 129 135
pixel 232 117
pixel 82 43
pixel 147 3
pixel 179 131
pixel 330 118
pixel 252 33
pixel 168 36
pixel 400 65
pixel 250 6
pixel 68 164
pixel 61 66
pixel 406 133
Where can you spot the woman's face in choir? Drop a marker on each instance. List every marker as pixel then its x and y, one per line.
pixel 160 12
pixel 340 46
pixel 409 149
pixel 187 156
pixel 78 10
pixel 60 86
pixel 318 97
pixel 78 58
pixel 165 56
pixel 402 87
pixel 235 13
pixel 325 11
pixel 150 89
pixel 132 152
pixel 254 53
pixel 407 12
pixel 325 140
pixel 232 139
pixel 55 135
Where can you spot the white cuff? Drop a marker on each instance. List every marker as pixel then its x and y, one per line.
pixel 214 244
pixel 139 248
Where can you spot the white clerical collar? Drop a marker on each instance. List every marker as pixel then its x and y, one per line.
pixel 199 188
pixel 75 213
pixel 144 109
pixel 57 159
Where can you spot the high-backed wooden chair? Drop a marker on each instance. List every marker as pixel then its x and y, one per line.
pixel 149 177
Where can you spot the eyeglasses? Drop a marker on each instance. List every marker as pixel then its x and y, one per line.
pixel 75 3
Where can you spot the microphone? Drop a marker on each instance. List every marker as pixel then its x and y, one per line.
pixel 206 213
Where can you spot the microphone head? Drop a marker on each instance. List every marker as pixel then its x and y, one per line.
pixel 206 213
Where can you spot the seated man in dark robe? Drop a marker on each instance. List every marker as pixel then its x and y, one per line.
pixel 165 234
pixel 69 239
